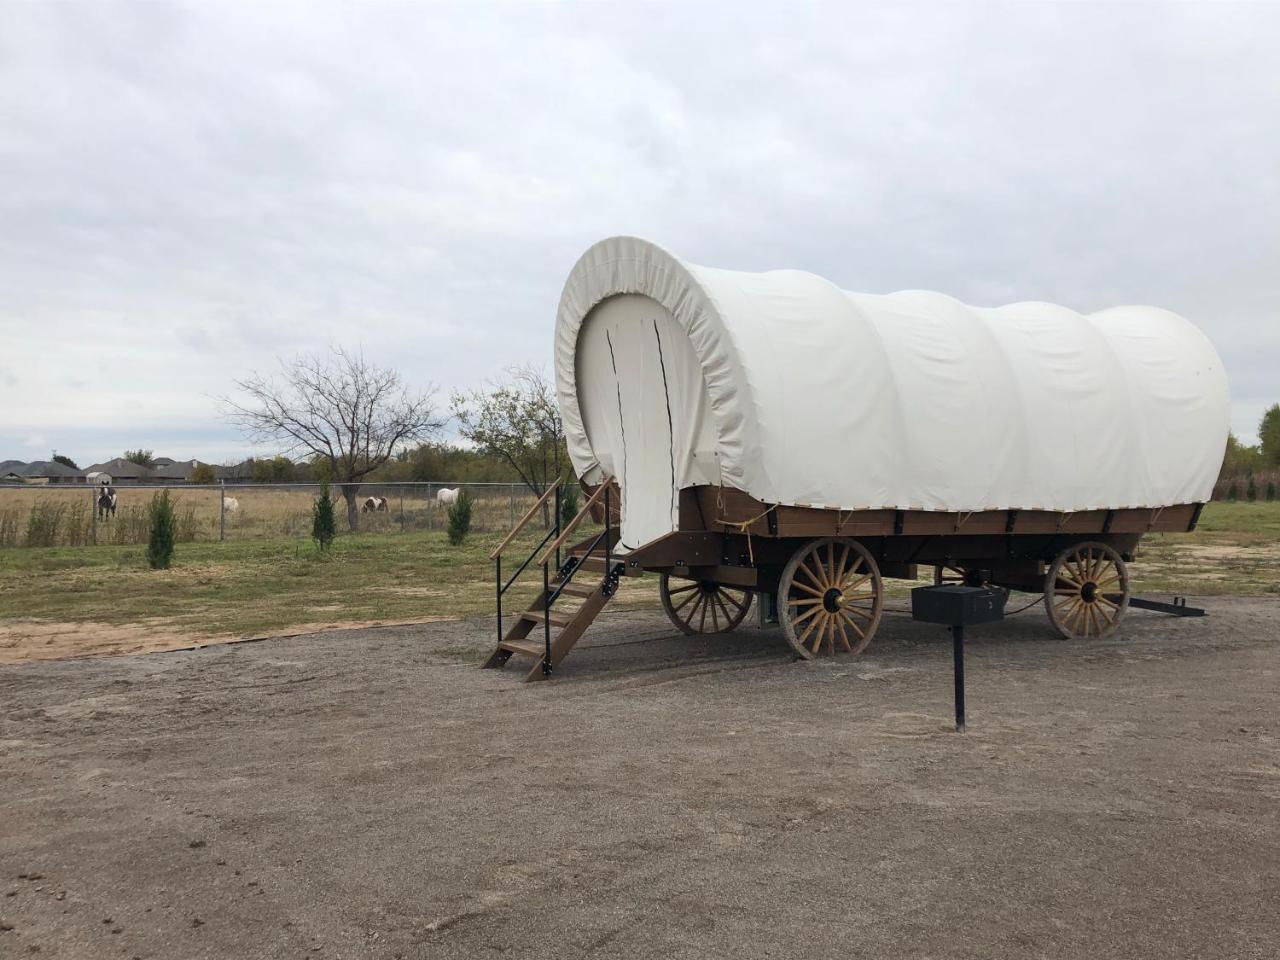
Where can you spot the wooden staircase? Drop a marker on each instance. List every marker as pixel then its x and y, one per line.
pixel 573 593
pixel 578 599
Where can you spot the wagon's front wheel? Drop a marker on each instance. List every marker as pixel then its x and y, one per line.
pixel 1087 591
pixel 830 598
pixel 703 606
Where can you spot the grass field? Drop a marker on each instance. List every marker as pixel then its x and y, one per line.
pixel 258 587
pixel 50 516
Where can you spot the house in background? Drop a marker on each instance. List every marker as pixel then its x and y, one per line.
pixel 122 471
pixel 40 471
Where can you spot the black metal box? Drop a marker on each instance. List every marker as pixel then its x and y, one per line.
pixel 956 605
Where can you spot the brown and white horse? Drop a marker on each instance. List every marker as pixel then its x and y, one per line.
pixel 106 503
pixel 374 505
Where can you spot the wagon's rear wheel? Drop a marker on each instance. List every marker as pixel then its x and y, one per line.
pixel 1087 591
pixel 830 598
pixel 703 606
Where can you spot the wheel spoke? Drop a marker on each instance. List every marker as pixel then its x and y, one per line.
pixel 740 603
pixel 856 629
pixel 839 573
pixel 702 623
pixel 693 610
pixel 844 636
pixel 685 602
pixel 867 615
pixel 805 602
pixel 1101 598
pixel 817 575
pixel 797 585
pixel 856 583
pixel 808 630
pixel 715 617
pixel 685 589
pixel 806 615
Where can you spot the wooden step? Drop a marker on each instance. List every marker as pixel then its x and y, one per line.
pixel 583 590
pixel 525 647
pixel 593 562
pixel 559 618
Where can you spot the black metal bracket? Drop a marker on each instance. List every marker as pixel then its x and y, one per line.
pixel 1195 516
pixel 611 580
pixel 771 518
pixel 1178 608
pixel 1106 524
pixel 899 522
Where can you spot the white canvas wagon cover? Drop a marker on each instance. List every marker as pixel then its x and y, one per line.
pixel 786 387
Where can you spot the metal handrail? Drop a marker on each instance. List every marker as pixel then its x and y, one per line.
pixel 572 524
pixel 523 521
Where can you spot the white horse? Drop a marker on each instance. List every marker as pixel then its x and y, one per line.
pixel 448 497
pixel 374 505
pixel 230 504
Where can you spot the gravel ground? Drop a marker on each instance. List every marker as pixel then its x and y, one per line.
pixel 371 794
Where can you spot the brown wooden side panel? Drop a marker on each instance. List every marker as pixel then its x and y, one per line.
pixel 725 510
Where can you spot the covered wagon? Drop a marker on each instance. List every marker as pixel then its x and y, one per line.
pixel 770 434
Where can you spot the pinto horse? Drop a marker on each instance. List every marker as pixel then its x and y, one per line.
pixel 106 503
pixel 374 505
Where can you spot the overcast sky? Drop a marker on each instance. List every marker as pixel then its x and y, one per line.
pixel 189 191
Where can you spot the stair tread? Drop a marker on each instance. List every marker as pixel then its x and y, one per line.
pixel 583 590
pixel 526 647
pixel 558 618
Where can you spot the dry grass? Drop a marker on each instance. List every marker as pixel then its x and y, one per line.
pixel 47 516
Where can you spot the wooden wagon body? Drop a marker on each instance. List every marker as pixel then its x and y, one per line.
pixel 771 434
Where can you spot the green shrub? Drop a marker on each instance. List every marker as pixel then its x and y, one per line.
pixel 1233 492
pixel 568 504
pixel 460 518
pixel 44 522
pixel 1271 489
pixel 163 531
pixel 1251 491
pixel 323 526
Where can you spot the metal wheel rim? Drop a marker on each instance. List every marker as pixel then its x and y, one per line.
pixel 703 606
pixel 830 598
pixel 1086 592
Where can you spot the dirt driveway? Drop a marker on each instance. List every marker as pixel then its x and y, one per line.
pixel 370 794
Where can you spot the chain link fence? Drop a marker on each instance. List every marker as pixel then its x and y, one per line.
pixel 38 515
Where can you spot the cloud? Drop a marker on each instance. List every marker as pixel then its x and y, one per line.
pixel 189 190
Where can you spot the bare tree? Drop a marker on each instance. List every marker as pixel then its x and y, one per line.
pixel 345 412
pixel 519 423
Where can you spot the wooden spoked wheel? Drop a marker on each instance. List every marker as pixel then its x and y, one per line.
pixel 1087 591
pixel 703 606
pixel 830 598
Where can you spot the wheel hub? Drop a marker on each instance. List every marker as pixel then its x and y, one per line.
pixel 1089 592
pixel 832 600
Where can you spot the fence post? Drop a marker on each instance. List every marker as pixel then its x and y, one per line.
pixel 93 513
pixel 222 510
pixel 511 495
pixel 402 509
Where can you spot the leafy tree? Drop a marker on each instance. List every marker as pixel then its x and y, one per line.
pixel 1251 489
pixel 1269 436
pixel 1271 489
pixel 341 410
pixel 1239 459
pixel 323 526
pixel 143 458
pixel 1233 492
pixel 459 518
pixel 160 542
pixel 276 470
pixel 203 473
pixel 517 423
pixel 65 461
